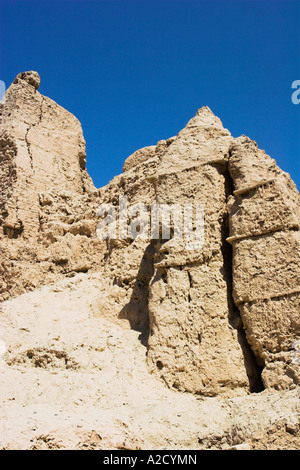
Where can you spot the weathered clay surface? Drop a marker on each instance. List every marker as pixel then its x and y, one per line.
pixel 128 324
pixel 192 318
pixel 74 378
pixel 264 231
pixel 45 192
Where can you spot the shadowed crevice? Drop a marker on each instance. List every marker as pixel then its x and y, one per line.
pixel 253 369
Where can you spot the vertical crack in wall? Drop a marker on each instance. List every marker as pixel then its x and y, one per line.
pixel 31 126
pixel 28 147
pixel 253 369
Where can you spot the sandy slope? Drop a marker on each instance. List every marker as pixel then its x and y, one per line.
pixel 71 378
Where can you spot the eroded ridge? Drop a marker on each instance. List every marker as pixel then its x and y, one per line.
pixel 212 318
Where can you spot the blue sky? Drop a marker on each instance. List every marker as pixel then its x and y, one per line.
pixel 135 72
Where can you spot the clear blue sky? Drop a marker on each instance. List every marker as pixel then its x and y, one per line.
pixel 135 72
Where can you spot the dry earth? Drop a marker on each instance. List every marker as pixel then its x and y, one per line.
pixel 74 379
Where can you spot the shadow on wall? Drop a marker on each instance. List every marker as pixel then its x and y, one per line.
pixel 136 310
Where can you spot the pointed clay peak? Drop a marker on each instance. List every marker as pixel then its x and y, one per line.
pixel 30 77
pixel 205 111
pixel 207 119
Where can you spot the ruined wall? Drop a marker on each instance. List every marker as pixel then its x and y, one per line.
pixel 194 341
pixel 220 320
pixel 47 199
pixel 49 151
pixel 264 232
